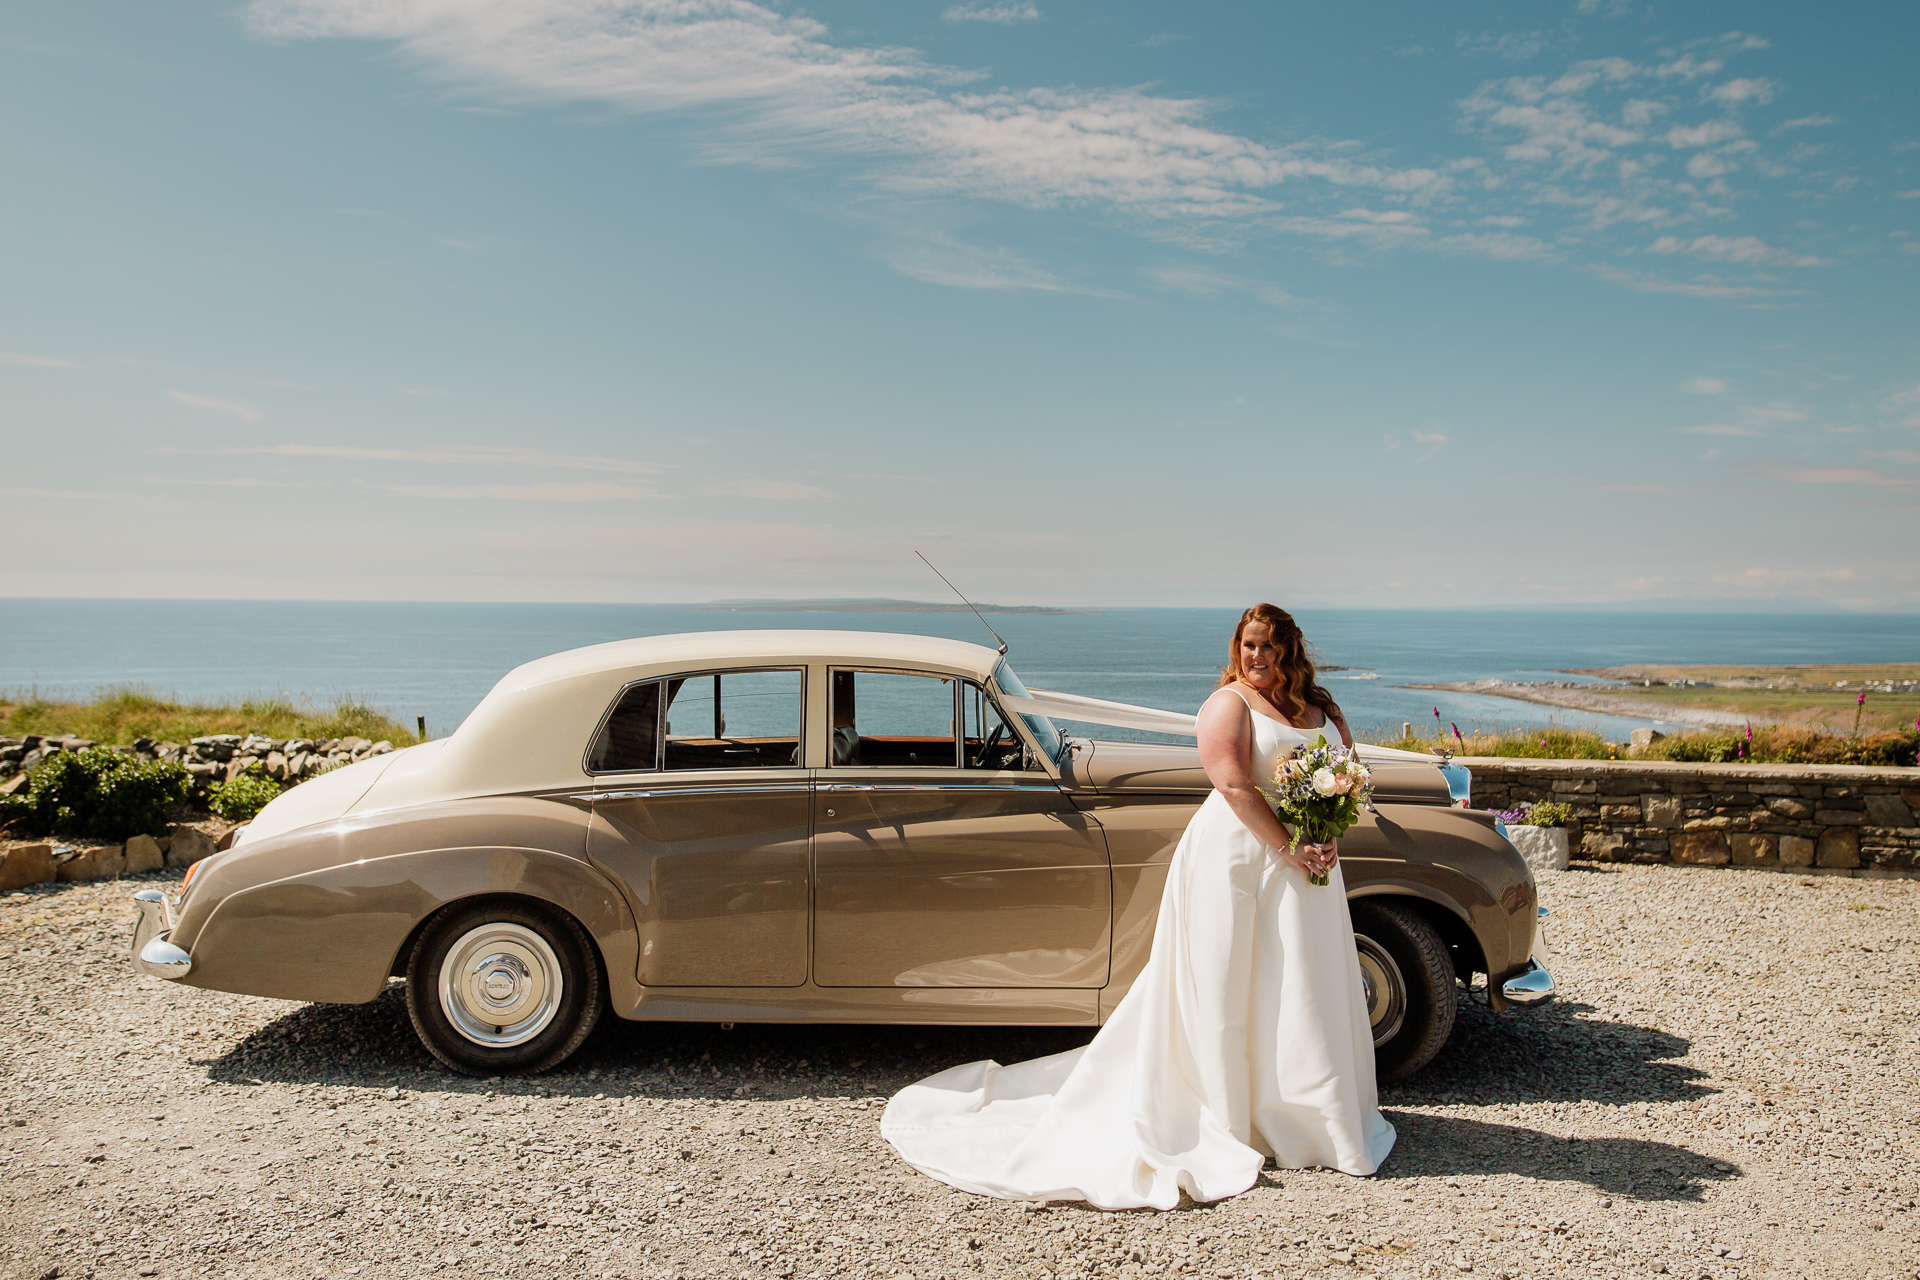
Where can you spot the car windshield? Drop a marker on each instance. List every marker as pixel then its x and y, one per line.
pixel 1042 728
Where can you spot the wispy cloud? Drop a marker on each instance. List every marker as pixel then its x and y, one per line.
pixel 936 257
pixel 1702 287
pixel 1739 90
pixel 788 89
pixel 1654 490
pixel 1842 475
pixel 1594 150
pixel 247 413
pixel 1201 283
pixel 1754 420
pixel 1430 442
pixel 458 454
pixel 1805 122
pixel 1903 406
pixel 37 362
pixel 1704 386
pixel 1758 577
pixel 1514 46
pixel 1581 151
pixel 1745 249
pixel 767 490
pixel 65 495
pixel 1005 14
pixel 588 491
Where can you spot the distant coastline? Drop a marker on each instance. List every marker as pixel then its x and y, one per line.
pixel 868 606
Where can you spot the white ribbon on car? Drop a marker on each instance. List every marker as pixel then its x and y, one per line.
pixel 1123 715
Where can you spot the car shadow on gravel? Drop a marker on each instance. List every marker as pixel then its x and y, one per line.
pixel 374 1044
pixel 1546 1055
pixel 1447 1146
pixel 1552 1054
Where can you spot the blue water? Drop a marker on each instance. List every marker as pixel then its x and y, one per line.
pixel 439 660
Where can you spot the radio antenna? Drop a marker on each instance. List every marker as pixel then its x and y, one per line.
pixel 963 600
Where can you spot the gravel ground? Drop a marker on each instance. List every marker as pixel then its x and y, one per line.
pixel 1728 1087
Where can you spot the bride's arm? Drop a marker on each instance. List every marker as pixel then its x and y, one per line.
pixel 1226 748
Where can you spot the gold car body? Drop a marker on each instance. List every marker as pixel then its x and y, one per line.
pixel 795 889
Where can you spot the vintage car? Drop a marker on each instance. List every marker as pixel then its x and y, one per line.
pixel 793 826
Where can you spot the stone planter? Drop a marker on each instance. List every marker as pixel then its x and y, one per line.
pixel 1544 848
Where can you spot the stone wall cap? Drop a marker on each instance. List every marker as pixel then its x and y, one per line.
pixel 1890 774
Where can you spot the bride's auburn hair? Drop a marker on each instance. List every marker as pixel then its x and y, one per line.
pixel 1299 685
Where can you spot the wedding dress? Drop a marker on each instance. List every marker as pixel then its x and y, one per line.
pixel 1245 1036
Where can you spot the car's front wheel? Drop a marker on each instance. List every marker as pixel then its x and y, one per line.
pixel 503 986
pixel 1411 996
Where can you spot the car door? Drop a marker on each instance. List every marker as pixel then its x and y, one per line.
pixel 945 855
pixel 700 812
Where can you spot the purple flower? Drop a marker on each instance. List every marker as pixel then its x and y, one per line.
pixel 1862 699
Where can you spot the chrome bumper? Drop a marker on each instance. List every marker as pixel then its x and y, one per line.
pixel 1534 986
pixel 152 953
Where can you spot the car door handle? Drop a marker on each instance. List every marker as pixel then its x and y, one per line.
pixel 849 786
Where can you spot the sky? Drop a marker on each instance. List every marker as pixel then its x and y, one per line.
pixel 1587 302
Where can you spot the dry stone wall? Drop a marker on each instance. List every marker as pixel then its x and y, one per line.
pixel 1831 818
pixel 219 757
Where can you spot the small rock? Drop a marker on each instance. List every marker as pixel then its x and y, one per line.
pixel 143 853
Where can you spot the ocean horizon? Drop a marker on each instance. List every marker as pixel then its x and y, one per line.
pixel 438 659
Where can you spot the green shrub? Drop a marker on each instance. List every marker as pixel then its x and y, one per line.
pixel 97 792
pixel 240 799
pixel 1548 813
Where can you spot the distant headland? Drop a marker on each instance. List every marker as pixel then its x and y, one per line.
pixel 868 606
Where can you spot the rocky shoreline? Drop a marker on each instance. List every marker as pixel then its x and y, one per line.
pixel 1572 697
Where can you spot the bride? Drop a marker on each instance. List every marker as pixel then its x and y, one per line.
pixel 1245 1036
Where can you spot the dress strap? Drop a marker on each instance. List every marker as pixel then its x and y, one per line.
pixel 1233 689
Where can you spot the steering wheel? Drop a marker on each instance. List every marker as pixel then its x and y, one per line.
pixel 998 732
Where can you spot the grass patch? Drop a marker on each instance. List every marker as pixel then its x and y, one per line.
pixel 118 715
pixel 1548 742
pixel 1773 744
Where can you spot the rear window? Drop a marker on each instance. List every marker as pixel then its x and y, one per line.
pixel 715 720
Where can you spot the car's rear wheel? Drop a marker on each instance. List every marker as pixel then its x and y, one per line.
pixel 1411 996
pixel 503 986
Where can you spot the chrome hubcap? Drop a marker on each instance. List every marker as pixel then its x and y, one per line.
pixel 1385 987
pixel 500 985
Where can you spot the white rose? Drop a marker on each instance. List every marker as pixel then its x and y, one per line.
pixel 1323 781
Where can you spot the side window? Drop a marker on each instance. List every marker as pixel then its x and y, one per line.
pixel 881 718
pixel 733 720
pixel 991 742
pixel 630 740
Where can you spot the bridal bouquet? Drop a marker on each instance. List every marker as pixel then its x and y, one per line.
pixel 1318 791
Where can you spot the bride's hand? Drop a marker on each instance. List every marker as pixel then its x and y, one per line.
pixel 1318 859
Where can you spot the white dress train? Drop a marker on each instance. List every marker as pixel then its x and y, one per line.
pixel 1245 1036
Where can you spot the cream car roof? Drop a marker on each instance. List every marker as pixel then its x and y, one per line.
pixel 531 732
pixel 695 650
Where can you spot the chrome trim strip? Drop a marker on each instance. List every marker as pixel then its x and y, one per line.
pixel 978 788
pixel 659 792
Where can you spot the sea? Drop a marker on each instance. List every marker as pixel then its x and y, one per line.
pixel 438 660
